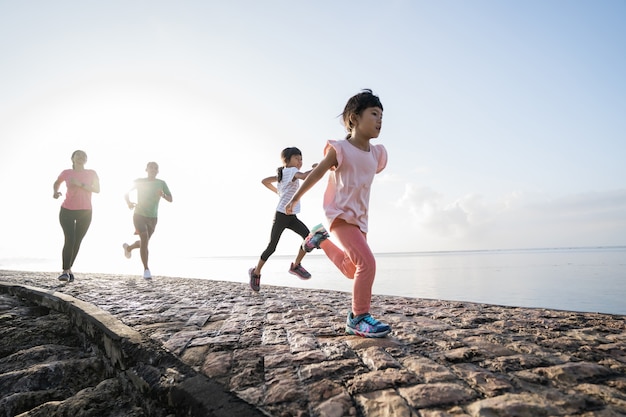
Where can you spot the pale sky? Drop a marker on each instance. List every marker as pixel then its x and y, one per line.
pixel 505 122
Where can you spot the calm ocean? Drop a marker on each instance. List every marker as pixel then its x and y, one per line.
pixel 576 279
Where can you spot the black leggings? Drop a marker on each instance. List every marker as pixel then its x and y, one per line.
pixel 281 222
pixel 75 224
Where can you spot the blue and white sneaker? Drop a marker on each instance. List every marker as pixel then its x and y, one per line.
pixel 312 241
pixel 365 325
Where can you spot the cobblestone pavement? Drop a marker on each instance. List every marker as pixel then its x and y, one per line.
pixel 284 349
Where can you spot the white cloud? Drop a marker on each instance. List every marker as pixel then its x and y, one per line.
pixel 430 211
pixel 516 220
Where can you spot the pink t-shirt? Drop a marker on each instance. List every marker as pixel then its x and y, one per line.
pixel 347 194
pixel 77 198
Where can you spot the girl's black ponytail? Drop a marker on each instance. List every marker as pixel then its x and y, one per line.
pixel 286 155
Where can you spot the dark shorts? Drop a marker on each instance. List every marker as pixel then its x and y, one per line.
pixel 144 224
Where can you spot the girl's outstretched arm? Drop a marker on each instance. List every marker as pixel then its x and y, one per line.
pixel 269 183
pixel 330 160
pixel 303 175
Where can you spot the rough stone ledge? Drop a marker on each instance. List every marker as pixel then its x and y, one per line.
pixel 176 385
pixel 283 350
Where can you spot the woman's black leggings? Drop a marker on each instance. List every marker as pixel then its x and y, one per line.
pixel 281 222
pixel 75 224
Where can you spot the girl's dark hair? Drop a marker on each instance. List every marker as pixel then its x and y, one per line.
pixel 73 154
pixel 355 106
pixel 286 155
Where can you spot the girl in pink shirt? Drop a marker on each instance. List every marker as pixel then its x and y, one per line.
pixel 75 214
pixel 352 162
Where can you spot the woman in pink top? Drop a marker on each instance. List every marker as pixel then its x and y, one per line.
pixel 352 162
pixel 75 214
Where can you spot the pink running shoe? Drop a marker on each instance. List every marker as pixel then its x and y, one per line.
pixel 255 280
pixel 299 271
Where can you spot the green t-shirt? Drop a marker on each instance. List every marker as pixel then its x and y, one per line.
pixel 149 195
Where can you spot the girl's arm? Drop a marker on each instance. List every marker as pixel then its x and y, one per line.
pixel 330 160
pixel 302 175
pixel 269 183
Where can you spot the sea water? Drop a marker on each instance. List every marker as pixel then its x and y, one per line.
pixel 576 279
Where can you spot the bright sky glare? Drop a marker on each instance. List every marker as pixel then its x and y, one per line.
pixel 505 122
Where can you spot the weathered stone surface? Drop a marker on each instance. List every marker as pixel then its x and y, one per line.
pixel 518 405
pixel 428 370
pixel 217 364
pixel 299 342
pixel 379 380
pixel 483 381
pixel 284 359
pixel 338 406
pixel 281 385
pixel 330 369
pixel 605 394
pixel 437 394
pixel 47 370
pixel 377 358
pixel 320 391
pixel 284 351
pixel 385 403
pixel 54 364
pixel 573 372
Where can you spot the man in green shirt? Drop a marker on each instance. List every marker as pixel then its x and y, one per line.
pixel 150 190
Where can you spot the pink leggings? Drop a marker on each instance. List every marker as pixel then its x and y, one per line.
pixel 356 261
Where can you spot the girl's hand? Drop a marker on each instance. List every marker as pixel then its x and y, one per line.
pixel 57 194
pixel 131 205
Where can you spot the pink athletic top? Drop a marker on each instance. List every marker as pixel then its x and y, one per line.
pixel 77 198
pixel 347 194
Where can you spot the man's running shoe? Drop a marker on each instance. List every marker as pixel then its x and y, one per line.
pixel 312 241
pixel 147 274
pixel 127 252
pixel 64 277
pixel 255 280
pixel 365 325
pixel 299 271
